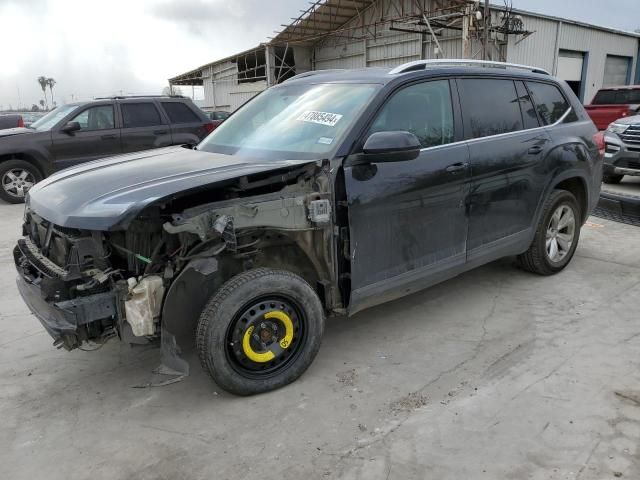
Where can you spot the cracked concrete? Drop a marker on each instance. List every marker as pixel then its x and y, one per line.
pixel 496 374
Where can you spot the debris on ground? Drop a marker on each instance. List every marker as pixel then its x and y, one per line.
pixel 410 402
pixel 347 378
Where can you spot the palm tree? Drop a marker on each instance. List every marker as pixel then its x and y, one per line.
pixel 43 84
pixel 42 103
pixel 51 82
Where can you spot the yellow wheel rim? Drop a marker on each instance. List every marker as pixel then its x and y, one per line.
pixel 284 343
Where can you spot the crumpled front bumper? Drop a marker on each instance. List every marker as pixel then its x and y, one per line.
pixel 62 319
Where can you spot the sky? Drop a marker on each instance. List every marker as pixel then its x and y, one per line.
pixel 99 48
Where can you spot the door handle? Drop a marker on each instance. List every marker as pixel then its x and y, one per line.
pixel 535 150
pixel 457 167
pixel 160 132
pixel 108 137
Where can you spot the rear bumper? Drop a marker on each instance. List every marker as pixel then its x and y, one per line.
pixel 620 158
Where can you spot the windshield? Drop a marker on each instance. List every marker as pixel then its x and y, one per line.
pixel 617 97
pixel 53 117
pixel 291 122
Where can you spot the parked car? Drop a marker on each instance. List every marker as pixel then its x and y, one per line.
pixel 11 120
pixel 613 103
pixel 30 117
pixel 622 149
pixel 83 131
pixel 218 117
pixel 327 194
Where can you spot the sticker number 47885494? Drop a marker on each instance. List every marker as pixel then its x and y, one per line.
pixel 323 118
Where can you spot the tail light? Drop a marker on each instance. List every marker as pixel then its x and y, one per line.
pixel 20 123
pixel 209 127
pixel 598 139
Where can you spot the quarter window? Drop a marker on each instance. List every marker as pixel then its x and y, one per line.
pixel 140 115
pixel 95 118
pixel 179 112
pixel 529 115
pixel 550 103
pixel 491 107
pixel 423 109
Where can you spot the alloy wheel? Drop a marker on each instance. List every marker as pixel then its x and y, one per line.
pixel 17 182
pixel 560 233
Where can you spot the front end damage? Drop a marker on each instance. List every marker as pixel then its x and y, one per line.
pixel 148 280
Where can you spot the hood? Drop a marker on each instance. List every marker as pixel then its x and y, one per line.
pixel 106 193
pixel 7 132
pixel 634 120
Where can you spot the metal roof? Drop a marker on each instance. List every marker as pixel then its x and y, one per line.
pixel 321 18
pixel 194 77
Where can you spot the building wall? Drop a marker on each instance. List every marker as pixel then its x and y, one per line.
pixel 540 48
pixel 392 48
pixel 222 90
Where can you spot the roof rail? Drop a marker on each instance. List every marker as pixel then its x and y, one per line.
pixel 311 73
pixel 119 97
pixel 424 64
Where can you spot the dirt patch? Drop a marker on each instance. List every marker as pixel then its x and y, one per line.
pixel 347 378
pixel 408 403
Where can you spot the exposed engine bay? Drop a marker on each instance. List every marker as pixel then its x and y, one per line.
pixel 151 277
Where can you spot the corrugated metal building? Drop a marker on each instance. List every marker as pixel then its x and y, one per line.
pixel 385 33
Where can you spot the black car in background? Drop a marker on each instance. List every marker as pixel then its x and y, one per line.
pixel 31 117
pixel 11 120
pixel 325 195
pixel 83 131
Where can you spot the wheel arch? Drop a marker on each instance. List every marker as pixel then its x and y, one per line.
pixel 577 186
pixel 201 278
pixel 29 157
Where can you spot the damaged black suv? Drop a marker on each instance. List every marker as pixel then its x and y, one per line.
pixel 325 195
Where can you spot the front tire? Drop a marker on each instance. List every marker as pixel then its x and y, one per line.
pixel 260 331
pixel 16 178
pixel 556 237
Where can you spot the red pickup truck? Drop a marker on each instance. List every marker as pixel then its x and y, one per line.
pixel 613 103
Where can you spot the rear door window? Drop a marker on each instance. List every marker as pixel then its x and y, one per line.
pixel 550 103
pixel 423 109
pixel 490 107
pixel 140 115
pixel 179 113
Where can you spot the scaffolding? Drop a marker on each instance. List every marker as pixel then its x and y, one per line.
pixel 354 20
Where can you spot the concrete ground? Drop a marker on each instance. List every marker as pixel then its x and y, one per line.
pixel 497 374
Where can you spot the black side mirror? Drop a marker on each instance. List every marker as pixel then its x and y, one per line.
pixel 390 147
pixel 71 127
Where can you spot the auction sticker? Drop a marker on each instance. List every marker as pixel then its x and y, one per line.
pixel 323 118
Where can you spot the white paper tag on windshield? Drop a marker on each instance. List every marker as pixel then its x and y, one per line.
pixel 323 118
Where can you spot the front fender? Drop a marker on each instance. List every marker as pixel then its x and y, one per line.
pixel 37 157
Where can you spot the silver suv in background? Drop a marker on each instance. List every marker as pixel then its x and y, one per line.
pixel 622 149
